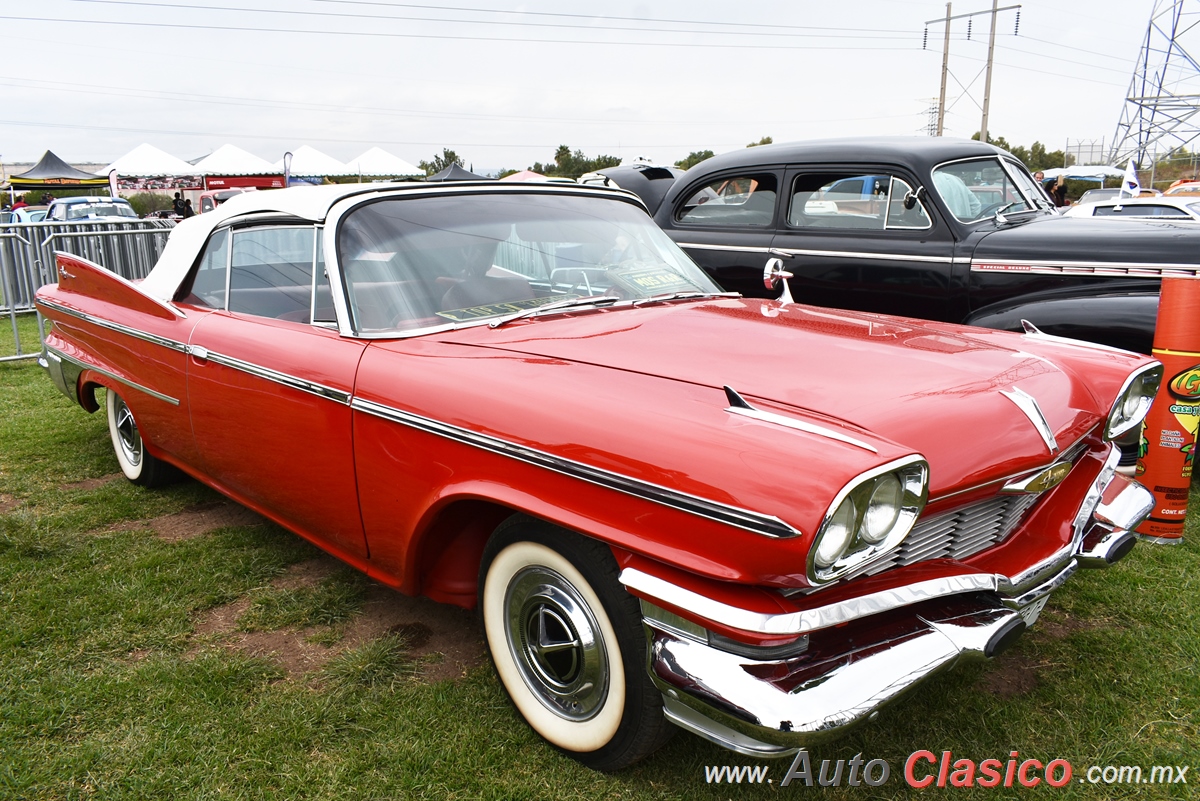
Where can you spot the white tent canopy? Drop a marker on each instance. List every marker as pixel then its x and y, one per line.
pixel 312 162
pixel 147 161
pixel 1092 172
pixel 377 162
pixel 232 160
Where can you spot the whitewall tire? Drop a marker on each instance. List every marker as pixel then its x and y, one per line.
pixel 136 463
pixel 568 645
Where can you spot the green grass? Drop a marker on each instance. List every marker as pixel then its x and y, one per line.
pixel 107 692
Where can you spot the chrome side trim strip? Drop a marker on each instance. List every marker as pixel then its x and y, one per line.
pixel 1118 269
pixel 731 248
pixel 856 254
pixel 767 525
pixel 807 620
pixel 841 254
pixel 320 390
pixel 133 384
pixel 739 406
pixel 111 326
pixel 1029 405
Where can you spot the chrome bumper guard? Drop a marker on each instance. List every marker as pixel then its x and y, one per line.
pixel 772 707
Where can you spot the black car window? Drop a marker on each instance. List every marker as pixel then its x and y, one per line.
pixel 839 200
pixel 271 272
pixel 733 200
pixel 854 200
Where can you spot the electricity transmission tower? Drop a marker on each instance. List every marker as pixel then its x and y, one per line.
pixel 1161 107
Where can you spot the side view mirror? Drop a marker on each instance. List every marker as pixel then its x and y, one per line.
pixel 911 197
pixel 773 275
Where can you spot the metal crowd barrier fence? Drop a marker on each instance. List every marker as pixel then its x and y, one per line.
pixel 129 249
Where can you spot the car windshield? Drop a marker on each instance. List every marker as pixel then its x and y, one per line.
pixel 78 211
pixel 975 190
pixel 420 262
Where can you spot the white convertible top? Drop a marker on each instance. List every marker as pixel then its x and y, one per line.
pixel 188 237
pixel 311 203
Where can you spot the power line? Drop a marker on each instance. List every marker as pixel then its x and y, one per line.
pixel 386 35
pixel 818 33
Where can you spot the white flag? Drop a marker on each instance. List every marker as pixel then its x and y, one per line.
pixel 1131 183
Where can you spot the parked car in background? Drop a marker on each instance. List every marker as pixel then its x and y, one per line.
pixel 672 505
pixel 951 230
pixel 82 209
pixel 1190 188
pixel 212 198
pixel 1175 208
pixel 25 214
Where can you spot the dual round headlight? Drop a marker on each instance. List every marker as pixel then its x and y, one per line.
pixel 1133 404
pixel 870 516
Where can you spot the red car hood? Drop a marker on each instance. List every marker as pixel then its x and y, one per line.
pixel 930 388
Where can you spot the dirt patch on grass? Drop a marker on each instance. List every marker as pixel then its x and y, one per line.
pixel 1009 676
pixel 8 503
pixel 194 521
pixel 444 640
pixel 1059 625
pixel 91 483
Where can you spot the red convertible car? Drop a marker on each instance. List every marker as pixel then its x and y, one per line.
pixel 755 520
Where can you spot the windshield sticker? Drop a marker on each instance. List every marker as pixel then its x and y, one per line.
pixel 493 309
pixel 647 281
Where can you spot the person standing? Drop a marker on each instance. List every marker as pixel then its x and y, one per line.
pixel 1058 192
pixel 178 205
pixel 187 209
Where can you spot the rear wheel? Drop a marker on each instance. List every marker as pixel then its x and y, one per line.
pixel 136 463
pixel 568 644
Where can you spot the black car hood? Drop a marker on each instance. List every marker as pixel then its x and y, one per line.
pixel 1078 239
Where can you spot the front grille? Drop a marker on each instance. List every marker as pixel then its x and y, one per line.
pixel 959 534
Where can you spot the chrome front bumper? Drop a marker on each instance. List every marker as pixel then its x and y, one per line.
pixel 772 707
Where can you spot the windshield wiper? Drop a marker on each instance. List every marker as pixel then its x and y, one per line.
pixel 566 303
pixel 685 295
pixel 1000 218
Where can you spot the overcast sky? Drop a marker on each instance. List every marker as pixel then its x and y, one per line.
pixel 503 84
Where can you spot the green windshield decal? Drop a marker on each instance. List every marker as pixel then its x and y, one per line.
pixel 647 281
pixel 493 309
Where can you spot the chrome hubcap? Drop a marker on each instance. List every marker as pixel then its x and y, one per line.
pixel 556 643
pixel 128 437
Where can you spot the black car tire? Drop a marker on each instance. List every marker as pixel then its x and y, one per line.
pixel 568 644
pixel 138 465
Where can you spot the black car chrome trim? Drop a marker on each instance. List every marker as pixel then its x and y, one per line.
pixel 119 379
pixel 855 254
pixel 311 387
pixel 739 406
pixel 1120 269
pixel 747 249
pixel 1029 406
pixel 844 254
pixel 111 326
pixel 756 522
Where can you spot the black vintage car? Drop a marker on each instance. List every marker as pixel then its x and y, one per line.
pixel 942 229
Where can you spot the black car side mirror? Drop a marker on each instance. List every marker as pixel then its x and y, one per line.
pixel 911 197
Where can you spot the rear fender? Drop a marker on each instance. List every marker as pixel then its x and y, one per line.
pixel 1119 321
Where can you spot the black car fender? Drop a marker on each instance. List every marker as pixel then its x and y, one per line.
pixel 1119 319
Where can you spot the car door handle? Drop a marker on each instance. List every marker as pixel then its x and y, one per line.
pixel 198 353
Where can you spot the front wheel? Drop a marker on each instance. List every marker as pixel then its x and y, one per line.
pixel 568 645
pixel 137 464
